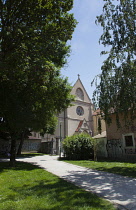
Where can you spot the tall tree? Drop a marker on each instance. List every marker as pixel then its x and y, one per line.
pixel 117 88
pixel 33 48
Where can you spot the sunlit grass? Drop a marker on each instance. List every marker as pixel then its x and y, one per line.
pixel 30 187
pixel 121 168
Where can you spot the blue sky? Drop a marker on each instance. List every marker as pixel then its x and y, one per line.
pixel 85 56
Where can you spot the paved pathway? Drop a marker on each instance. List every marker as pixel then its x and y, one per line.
pixel 118 189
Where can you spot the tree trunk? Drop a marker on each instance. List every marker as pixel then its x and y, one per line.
pixel 13 151
pixel 21 144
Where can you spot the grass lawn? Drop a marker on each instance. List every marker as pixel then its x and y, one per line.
pixel 121 168
pixel 28 187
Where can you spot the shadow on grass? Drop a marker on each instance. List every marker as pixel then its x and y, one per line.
pixel 117 160
pixel 123 171
pixel 44 190
pixel 59 193
pixel 19 166
pixel 27 155
pixel 123 168
pixel 24 155
pixel 100 160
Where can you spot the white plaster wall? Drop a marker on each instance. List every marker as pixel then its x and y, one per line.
pixel 71 111
pixel 72 126
pixel 74 119
pixel 80 85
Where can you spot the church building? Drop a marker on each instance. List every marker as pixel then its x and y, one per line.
pixel 75 119
pixel 78 117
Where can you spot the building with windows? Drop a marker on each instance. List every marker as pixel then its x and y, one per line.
pixel 78 117
pixel 111 142
pixel 75 119
pixel 121 142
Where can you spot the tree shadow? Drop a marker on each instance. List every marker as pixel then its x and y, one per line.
pixel 119 169
pixel 19 166
pixel 123 171
pixel 118 160
pixel 29 155
pixel 60 193
pixel 110 186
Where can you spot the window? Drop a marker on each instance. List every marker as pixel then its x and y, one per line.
pixel 79 111
pixel 80 94
pixel 129 140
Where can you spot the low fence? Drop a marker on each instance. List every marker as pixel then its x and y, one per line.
pixel 114 149
pixel 31 145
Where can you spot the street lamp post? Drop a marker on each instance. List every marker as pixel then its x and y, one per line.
pixel 60 140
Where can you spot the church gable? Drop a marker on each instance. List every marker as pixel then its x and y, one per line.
pixel 83 127
pixel 79 91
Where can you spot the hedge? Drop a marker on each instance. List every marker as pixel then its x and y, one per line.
pixel 78 147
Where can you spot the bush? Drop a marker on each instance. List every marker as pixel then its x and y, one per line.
pixel 78 147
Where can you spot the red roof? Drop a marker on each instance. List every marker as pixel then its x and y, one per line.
pixel 79 126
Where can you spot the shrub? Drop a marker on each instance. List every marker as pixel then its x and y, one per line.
pixel 78 147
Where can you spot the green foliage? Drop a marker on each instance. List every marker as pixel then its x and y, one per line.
pixel 50 126
pixel 117 87
pixel 78 147
pixel 33 48
pixel 33 37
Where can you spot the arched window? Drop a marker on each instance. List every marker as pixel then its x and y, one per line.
pixel 80 94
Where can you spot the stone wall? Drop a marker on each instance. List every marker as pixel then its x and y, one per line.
pixel 101 147
pixel 29 145
pixel 114 149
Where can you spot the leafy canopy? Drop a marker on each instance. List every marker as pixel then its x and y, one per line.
pixel 33 36
pixel 33 48
pixel 117 88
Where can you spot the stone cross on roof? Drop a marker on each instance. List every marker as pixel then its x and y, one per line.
pixel 78 76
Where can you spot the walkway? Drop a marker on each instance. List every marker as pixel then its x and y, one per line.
pixel 118 189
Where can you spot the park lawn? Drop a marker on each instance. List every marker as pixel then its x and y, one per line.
pixel 121 168
pixel 30 187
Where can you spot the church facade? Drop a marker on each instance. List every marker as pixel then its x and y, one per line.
pixel 75 119
pixel 78 117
